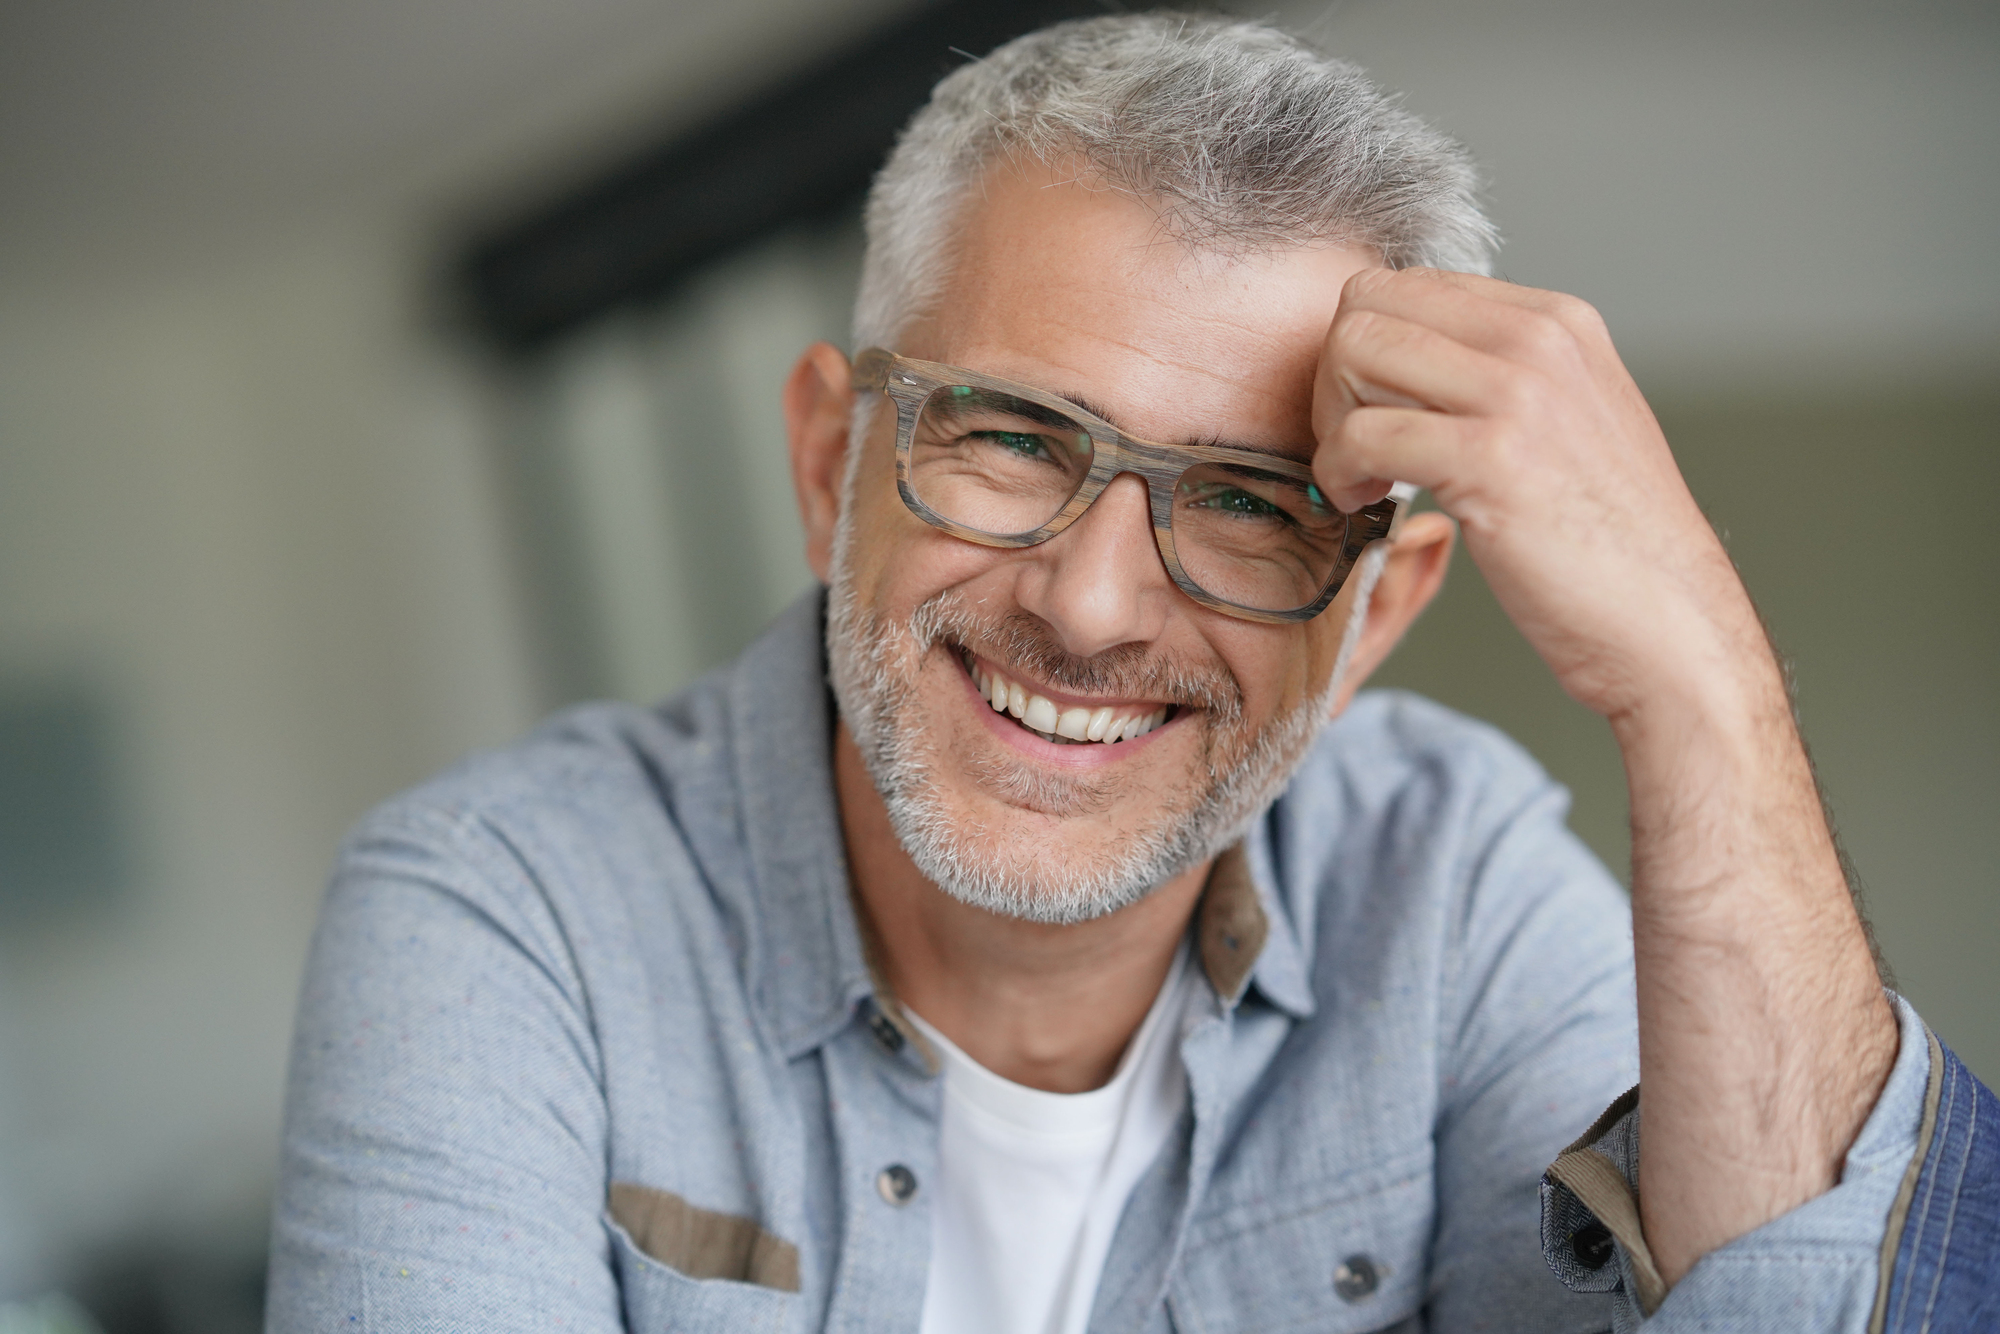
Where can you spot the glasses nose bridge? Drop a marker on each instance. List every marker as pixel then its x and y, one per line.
pixel 1153 471
pixel 1119 455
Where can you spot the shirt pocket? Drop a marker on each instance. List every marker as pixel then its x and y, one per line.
pixel 1343 1257
pixel 660 1300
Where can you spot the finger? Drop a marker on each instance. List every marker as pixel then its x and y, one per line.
pixel 1477 285
pixel 1375 360
pixel 1354 465
pixel 1519 323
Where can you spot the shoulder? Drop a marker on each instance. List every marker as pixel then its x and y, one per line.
pixel 1395 756
pixel 587 771
pixel 578 812
pixel 1407 817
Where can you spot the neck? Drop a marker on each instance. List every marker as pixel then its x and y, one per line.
pixel 1051 1007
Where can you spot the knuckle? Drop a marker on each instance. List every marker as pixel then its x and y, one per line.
pixel 1576 313
pixel 1348 451
pixel 1357 433
pixel 1524 395
pixel 1504 448
pixel 1544 336
pixel 1369 281
pixel 1352 329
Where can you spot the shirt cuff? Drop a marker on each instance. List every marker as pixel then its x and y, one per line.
pixel 1826 1255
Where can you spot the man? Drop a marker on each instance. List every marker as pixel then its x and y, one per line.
pixel 1064 970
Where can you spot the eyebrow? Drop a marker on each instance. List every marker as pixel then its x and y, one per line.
pixel 1209 442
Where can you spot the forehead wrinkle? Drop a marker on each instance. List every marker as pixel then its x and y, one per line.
pixel 1136 304
pixel 1244 340
pixel 1197 442
pixel 1085 403
pixel 1097 409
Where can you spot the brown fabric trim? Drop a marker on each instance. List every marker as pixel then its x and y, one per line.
pixel 702 1243
pixel 1603 1189
pixel 1233 926
pixel 1899 1212
pixel 1610 1117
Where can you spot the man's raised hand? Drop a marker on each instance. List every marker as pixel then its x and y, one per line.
pixel 1512 407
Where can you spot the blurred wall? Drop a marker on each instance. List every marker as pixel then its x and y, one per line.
pixel 247 487
pixel 247 500
pixel 246 504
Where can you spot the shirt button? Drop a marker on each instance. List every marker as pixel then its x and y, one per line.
pixel 896 1184
pixel 1592 1246
pixel 886 1032
pixel 1355 1277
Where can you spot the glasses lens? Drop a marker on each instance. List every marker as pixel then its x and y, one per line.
pixel 995 463
pixel 1258 539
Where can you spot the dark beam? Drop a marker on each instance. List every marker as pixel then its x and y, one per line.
pixel 806 146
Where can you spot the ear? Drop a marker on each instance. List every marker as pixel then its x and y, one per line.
pixel 1410 579
pixel 819 406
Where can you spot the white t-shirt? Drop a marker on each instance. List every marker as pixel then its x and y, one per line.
pixel 1031 1184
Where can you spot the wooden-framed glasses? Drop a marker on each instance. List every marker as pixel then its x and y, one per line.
pixel 1008 465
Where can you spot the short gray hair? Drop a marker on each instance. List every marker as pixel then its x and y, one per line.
pixel 1241 135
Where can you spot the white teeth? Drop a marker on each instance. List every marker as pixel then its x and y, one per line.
pixel 1128 729
pixel 1040 714
pixel 1135 728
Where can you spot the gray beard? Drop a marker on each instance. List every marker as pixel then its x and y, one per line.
pixel 875 666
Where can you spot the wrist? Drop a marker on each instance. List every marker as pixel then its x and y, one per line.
pixel 1724 696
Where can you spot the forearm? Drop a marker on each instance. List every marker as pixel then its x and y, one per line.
pixel 1764 1035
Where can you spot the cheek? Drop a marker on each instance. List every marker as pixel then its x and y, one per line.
pixel 1279 666
pixel 897 560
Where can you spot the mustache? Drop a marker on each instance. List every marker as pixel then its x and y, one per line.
pixel 1133 671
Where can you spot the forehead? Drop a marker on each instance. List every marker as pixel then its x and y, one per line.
pixel 1082 289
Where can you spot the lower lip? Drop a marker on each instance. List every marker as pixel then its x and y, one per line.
pixel 1087 755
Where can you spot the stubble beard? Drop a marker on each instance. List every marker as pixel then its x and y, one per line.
pixel 875 664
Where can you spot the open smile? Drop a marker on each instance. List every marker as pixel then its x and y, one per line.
pixel 1059 719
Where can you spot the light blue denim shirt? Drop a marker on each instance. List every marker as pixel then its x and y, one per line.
pixel 589 1042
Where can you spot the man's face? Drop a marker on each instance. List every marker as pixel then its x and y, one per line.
pixel 1080 291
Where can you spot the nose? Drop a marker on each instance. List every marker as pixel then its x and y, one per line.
pixel 1100 582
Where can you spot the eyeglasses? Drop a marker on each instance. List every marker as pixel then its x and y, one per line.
pixel 1006 465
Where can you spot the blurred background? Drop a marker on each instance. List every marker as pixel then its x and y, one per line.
pixel 377 376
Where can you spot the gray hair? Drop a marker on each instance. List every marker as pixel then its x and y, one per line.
pixel 1240 135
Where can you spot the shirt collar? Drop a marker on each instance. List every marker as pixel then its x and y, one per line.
pixel 812 971
pixel 1243 901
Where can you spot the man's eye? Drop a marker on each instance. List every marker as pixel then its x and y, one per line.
pixel 1234 500
pixel 1025 444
